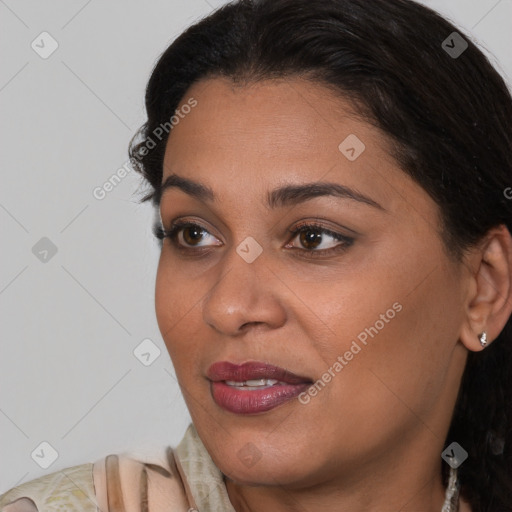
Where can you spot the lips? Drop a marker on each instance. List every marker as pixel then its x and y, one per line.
pixel 253 387
pixel 252 370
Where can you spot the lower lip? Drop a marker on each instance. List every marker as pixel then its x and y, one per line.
pixel 258 400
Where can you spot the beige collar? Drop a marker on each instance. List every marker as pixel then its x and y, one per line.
pixel 203 481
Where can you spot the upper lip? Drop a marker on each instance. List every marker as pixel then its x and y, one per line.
pixel 224 370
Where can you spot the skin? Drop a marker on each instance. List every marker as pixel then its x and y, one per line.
pixel 371 439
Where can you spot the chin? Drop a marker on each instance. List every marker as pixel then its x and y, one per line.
pixel 250 466
pixel 265 474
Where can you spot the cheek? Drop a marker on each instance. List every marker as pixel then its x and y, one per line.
pixel 397 324
pixel 402 368
pixel 166 305
pixel 177 299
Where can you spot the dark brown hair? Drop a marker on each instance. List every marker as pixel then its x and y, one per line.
pixel 449 118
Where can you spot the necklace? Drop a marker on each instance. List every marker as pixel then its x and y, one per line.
pixel 451 500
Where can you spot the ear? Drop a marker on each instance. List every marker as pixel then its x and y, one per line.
pixel 488 303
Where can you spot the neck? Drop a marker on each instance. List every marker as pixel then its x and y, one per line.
pixel 404 482
pixel 422 497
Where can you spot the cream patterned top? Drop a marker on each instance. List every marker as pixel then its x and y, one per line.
pixel 189 482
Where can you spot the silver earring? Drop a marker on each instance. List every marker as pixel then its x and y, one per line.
pixel 483 339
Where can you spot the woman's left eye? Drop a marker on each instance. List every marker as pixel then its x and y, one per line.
pixel 312 235
pixel 185 235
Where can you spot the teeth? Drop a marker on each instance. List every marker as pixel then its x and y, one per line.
pixel 260 382
pixel 254 383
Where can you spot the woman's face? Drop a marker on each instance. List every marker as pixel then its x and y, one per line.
pixel 372 318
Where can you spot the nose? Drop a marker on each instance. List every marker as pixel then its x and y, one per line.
pixel 245 294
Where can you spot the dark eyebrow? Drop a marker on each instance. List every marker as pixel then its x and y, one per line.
pixel 286 195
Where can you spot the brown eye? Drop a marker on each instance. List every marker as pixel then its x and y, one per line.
pixel 192 234
pixel 186 235
pixel 311 236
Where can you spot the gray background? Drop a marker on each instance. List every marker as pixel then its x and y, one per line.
pixel 70 323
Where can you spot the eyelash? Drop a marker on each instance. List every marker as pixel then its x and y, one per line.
pixel 177 226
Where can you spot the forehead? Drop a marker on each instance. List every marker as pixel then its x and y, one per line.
pixel 291 114
pixel 290 119
pixel 257 136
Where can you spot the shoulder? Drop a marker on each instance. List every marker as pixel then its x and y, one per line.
pixel 113 483
pixel 70 488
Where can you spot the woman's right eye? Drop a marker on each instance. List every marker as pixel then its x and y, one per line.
pixel 183 234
